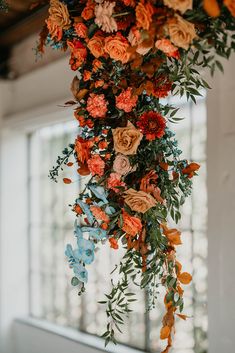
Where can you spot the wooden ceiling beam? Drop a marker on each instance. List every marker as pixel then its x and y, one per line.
pixel 24 28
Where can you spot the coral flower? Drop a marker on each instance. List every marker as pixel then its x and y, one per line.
pixel 88 11
pixel 96 165
pixel 126 101
pixel 167 47
pixel 152 124
pixel 113 243
pixel 114 182
pixel 99 214
pixel 83 149
pixel 97 105
pixel 131 225
pixel 191 169
pixel 81 29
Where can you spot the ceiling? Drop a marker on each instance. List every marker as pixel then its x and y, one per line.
pixel 23 18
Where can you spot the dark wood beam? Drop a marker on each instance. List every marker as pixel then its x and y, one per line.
pixel 24 28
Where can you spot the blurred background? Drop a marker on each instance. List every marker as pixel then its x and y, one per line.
pixel 39 309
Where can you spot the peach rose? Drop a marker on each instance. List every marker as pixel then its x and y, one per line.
pixel 144 12
pixel 181 32
pixel 121 165
pixel 131 225
pixel 58 13
pixel 139 201
pixel 127 139
pixel 179 5
pixel 114 182
pixel 230 4
pixel 96 165
pixel 117 47
pixel 104 19
pixel 96 45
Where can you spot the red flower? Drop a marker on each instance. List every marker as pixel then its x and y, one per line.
pixel 162 87
pixel 152 124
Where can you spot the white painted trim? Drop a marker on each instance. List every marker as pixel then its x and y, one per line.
pixel 73 335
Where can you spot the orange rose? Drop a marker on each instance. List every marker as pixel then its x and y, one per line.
pixel 131 225
pixel 58 14
pixel 55 31
pixel 96 45
pixel 144 12
pixel 139 201
pixel 88 11
pixel 181 32
pixel 117 47
pixel 230 4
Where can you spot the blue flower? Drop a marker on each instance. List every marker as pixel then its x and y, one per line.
pixel 99 192
pixel 95 233
pixel 85 208
pixel 85 251
pixel 80 272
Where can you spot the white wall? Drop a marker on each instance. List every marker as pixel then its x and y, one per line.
pixel 221 198
pixel 22 103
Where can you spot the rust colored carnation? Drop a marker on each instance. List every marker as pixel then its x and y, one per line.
pixel 144 12
pixel 97 105
pixel 131 225
pixel 152 124
pixel 96 165
pixel 162 87
pixel 117 47
pixel 126 101
pixel 81 30
pixel 114 182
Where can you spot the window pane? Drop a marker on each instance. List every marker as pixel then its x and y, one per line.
pixel 51 228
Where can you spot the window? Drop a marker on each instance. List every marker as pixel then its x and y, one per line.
pixel 51 227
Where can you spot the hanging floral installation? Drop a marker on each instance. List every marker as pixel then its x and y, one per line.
pixel 128 55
